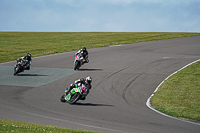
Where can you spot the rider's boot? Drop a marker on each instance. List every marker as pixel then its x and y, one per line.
pixel 27 67
pixel 85 61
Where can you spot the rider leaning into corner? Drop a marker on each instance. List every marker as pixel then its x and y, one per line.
pixel 87 82
pixel 84 52
pixel 26 60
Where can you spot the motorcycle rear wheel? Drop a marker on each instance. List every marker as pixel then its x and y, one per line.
pixel 74 98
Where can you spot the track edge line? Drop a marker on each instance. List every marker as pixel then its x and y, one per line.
pixel 148 104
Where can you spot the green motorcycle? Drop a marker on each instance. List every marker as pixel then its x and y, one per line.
pixel 75 94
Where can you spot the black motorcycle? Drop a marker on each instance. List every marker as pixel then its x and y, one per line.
pixel 20 66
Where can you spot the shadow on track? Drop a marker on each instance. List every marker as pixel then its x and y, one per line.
pixel 30 75
pixel 90 70
pixel 90 104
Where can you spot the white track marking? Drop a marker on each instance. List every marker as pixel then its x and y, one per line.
pixel 149 104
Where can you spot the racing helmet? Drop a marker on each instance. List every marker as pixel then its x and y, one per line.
pixel 84 49
pixel 88 80
pixel 28 56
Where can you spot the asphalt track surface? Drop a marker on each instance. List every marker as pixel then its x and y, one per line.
pixel 124 77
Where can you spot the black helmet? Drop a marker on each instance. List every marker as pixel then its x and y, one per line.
pixel 28 55
pixel 84 49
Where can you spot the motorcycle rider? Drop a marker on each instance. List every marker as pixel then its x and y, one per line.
pixel 26 60
pixel 87 82
pixel 84 52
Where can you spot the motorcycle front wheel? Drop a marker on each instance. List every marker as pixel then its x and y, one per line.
pixel 16 70
pixel 62 99
pixel 77 65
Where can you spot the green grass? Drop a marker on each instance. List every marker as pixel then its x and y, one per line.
pixel 16 44
pixel 179 96
pixel 8 126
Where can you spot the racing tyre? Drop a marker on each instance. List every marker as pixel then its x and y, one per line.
pixel 76 65
pixel 16 71
pixel 74 98
pixel 62 99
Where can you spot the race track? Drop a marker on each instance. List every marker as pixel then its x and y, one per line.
pixel 124 77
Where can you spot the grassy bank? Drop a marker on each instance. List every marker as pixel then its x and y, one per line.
pixel 7 126
pixel 16 44
pixel 179 96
